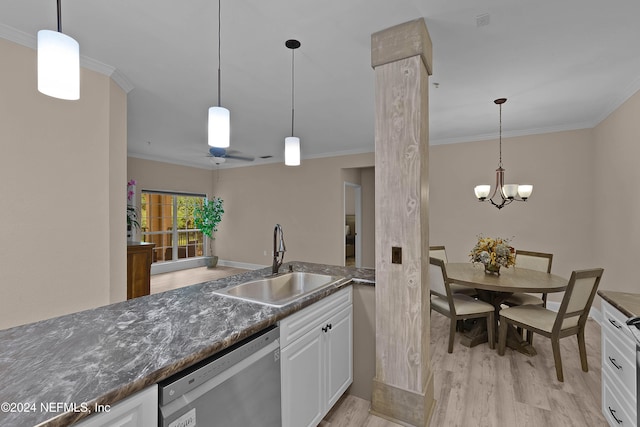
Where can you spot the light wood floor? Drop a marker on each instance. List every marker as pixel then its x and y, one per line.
pixel 475 387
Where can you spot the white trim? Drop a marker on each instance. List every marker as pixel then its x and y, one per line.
pixel 594 313
pixel 244 265
pixel 184 264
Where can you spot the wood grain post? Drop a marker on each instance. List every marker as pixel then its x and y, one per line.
pixel 403 385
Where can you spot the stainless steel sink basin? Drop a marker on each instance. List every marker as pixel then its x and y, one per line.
pixel 282 289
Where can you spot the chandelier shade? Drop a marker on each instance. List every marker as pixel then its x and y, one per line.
pixel 503 194
pixel 58 63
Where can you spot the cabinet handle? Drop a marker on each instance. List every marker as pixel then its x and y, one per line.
pixel 614 323
pixel 329 325
pixel 326 328
pixel 613 362
pixel 613 414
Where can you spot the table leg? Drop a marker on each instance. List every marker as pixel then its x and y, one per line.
pixel 478 332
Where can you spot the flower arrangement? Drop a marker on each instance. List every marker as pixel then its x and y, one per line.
pixel 493 253
pixel 132 213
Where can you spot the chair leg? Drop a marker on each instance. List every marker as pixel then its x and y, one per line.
pixel 502 336
pixel 583 350
pixel 452 334
pixel 555 345
pixel 491 329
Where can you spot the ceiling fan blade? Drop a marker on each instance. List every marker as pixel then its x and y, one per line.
pixel 240 156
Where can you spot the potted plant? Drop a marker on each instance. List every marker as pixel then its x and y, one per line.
pixel 207 217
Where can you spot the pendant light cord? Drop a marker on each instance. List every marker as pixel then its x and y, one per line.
pixel 292 88
pixel 500 144
pixel 219 44
pixel 59 16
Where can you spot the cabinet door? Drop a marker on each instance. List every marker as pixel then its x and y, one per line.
pixel 139 410
pixel 339 355
pixel 302 381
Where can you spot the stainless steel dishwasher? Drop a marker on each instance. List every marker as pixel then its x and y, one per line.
pixel 237 387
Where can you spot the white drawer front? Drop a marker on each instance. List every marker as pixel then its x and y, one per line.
pixel 621 367
pixel 616 323
pixel 298 324
pixel 614 408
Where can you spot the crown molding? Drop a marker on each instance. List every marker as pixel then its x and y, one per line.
pixel 30 41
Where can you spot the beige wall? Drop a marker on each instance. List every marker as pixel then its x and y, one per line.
pixel 559 216
pixel 62 174
pixel 615 197
pixel 306 200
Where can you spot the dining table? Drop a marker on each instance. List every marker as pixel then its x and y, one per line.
pixel 495 289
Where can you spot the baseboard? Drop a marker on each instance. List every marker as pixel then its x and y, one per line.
pixel 244 265
pixel 184 264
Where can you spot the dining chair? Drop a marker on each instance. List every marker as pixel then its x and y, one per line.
pixel 441 253
pixel 456 306
pixel 569 320
pixel 538 261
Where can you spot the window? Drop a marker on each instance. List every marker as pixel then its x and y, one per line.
pixel 167 220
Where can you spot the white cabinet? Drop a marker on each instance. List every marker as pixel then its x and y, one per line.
pixel 316 359
pixel 138 410
pixel 619 381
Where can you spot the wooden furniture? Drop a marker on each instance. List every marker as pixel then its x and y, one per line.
pixel 496 289
pixel 441 253
pixel 619 370
pixel 139 257
pixel 539 261
pixel 316 359
pixel 456 306
pixel 569 320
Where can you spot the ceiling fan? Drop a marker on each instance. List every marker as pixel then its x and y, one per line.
pixel 221 154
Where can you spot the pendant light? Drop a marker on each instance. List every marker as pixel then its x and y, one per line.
pixel 507 192
pixel 219 121
pixel 58 63
pixel 292 143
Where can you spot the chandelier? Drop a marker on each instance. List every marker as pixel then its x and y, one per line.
pixel 503 194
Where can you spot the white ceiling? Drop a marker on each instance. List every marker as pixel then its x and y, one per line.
pixel 563 64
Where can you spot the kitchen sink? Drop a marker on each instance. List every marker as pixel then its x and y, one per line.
pixel 281 289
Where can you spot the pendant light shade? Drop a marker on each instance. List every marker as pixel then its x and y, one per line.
pixel 219 127
pixel 292 143
pixel 219 117
pixel 58 63
pixel 292 151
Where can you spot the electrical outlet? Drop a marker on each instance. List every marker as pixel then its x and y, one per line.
pixel 265 253
pixel 396 255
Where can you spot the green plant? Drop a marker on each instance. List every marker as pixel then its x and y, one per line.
pixel 207 217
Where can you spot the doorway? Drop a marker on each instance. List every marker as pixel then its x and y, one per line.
pixel 353 224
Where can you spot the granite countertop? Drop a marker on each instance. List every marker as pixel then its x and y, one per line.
pixel 103 355
pixel 628 304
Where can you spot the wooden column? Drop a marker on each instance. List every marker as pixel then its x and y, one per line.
pixel 403 385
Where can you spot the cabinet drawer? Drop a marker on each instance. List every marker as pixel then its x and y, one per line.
pixel 621 368
pixel 298 324
pixel 615 322
pixel 614 408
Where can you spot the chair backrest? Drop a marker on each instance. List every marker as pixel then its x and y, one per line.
pixel 438 252
pixel 578 296
pixel 438 278
pixel 539 261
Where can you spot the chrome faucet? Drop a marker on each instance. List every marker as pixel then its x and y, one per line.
pixel 278 248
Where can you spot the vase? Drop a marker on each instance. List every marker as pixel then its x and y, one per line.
pixel 492 269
